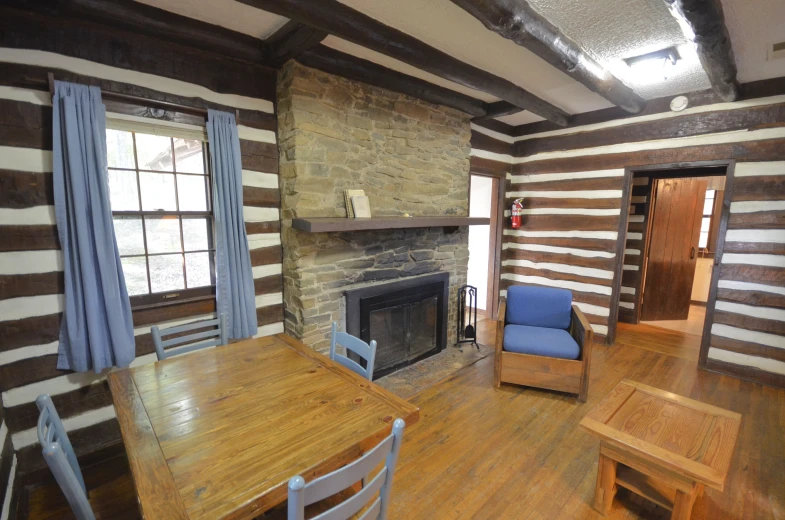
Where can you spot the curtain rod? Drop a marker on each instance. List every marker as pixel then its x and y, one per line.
pixel 116 96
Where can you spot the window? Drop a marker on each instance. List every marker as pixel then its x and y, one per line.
pixel 708 210
pixel 159 188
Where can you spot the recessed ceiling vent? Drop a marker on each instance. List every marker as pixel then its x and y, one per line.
pixel 776 51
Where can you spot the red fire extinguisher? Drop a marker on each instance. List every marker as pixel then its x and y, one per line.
pixel 517 211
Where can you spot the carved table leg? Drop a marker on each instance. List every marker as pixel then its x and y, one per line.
pixel 606 485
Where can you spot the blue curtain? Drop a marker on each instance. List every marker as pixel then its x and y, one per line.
pixel 97 329
pixel 234 279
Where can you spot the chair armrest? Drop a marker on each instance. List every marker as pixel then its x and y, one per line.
pixel 580 329
pixel 500 322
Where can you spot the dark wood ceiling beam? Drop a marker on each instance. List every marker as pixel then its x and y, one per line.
pixel 340 20
pixel 704 23
pixel 498 109
pixel 151 21
pixel 345 65
pixel 290 41
pixel 517 21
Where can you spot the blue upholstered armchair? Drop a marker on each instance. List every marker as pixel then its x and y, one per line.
pixel 543 340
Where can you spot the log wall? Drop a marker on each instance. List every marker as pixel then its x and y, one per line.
pixel 575 183
pixel 31 277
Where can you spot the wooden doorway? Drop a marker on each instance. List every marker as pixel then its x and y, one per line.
pixel 672 252
pixel 486 196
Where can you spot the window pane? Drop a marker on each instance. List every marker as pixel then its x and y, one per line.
pixel 708 207
pixel 191 191
pixel 130 240
pixel 710 194
pixel 195 234
pixel 119 149
pixel 154 152
pixel 135 273
pixel 166 273
pixel 157 191
pixel 705 224
pixel 188 156
pixel 703 240
pixel 197 268
pixel 123 191
pixel 163 235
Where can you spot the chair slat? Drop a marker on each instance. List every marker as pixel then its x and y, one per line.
pixel 302 494
pixel 190 348
pixel 193 337
pixel 190 326
pixel 350 506
pixel 351 365
pixel 373 511
pixel 220 333
pixel 354 344
pixel 342 478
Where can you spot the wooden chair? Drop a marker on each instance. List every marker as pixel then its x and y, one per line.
pixel 301 495
pixel 543 340
pixel 191 342
pixel 356 346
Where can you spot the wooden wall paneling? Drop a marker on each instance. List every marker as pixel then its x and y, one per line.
pixel 688 156
pixel 481 166
pixel 753 118
pixel 134 51
pixel 730 182
pixel 621 244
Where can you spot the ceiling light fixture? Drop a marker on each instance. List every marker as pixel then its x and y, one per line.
pixel 654 66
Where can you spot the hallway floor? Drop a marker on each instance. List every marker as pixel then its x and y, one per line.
pixel 692 325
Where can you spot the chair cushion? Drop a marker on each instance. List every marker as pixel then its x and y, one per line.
pixel 539 306
pixel 540 341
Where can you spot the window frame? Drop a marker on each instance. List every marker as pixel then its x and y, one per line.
pixel 156 299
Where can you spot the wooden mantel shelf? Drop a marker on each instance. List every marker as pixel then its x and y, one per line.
pixel 331 225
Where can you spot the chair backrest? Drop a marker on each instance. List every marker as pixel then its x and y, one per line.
pixel 357 346
pixel 544 307
pixel 302 494
pixel 61 459
pixel 216 335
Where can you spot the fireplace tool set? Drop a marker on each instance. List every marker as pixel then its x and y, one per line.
pixel 467 316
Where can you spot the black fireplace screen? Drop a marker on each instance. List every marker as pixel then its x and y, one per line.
pixel 406 319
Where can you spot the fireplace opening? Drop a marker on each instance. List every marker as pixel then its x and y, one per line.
pixel 407 318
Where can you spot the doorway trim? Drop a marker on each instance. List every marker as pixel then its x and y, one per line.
pixel 495 240
pixel 730 165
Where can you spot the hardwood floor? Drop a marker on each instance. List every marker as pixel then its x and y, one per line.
pixel 517 453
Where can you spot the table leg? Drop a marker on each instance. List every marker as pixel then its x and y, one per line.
pixel 606 485
pixel 682 506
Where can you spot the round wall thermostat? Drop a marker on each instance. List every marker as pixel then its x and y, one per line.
pixel 679 103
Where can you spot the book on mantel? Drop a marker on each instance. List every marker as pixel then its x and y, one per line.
pixel 347 195
pixel 361 206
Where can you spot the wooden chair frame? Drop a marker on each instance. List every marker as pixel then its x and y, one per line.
pixel 562 375
pixel 214 337
pixel 355 346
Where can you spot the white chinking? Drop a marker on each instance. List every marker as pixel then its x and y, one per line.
pixel 563 284
pixel 587 253
pixel 561 268
pixel 254 214
pixel 769 365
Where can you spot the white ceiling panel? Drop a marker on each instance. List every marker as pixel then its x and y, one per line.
pixel 521 118
pixel 226 13
pixel 612 30
pixel 447 27
pixel 391 63
pixel 753 26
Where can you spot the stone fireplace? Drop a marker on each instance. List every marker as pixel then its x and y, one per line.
pixel 411 158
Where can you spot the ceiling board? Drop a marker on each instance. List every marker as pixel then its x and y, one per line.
pixel 447 27
pixel 225 13
pixel 611 30
pixel 521 118
pixel 391 63
pixel 753 27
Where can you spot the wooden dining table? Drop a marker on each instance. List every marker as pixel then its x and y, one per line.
pixel 218 433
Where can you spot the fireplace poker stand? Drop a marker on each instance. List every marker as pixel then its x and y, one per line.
pixel 467 322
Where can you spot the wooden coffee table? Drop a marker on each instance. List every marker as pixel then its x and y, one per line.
pixel 661 446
